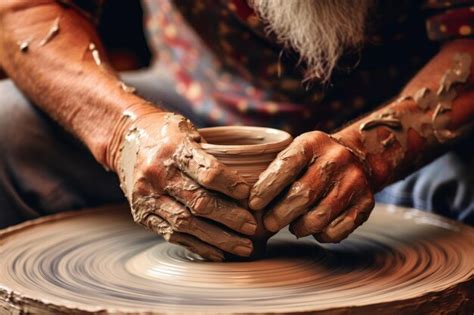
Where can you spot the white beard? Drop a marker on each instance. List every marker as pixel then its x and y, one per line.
pixel 318 30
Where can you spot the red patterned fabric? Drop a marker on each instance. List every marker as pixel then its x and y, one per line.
pixel 452 23
pixel 231 72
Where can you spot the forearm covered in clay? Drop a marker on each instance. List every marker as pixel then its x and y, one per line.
pixel 54 55
pixel 433 110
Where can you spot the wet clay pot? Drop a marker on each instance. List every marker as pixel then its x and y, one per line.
pixel 249 151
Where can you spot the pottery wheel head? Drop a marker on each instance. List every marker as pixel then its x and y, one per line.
pixel 99 260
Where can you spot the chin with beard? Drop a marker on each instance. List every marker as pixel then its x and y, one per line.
pixel 318 30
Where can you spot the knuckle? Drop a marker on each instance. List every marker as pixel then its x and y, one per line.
pixel 300 194
pixel 176 183
pixel 317 140
pixel 313 135
pixel 209 176
pixel 142 207
pixel 321 218
pixel 165 150
pixel 321 137
pixel 337 153
pixel 182 222
pixel 301 144
pixel 330 236
pixel 357 171
pixel 308 139
pixel 300 139
pixel 343 155
pixel 141 187
pixel 177 118
pixel 354 177
pixel 158 225
pixel 148 168
pixel 299 187
pixel 182 121
pixel 199 204
pixel 152 222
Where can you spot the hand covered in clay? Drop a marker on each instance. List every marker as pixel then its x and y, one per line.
pixel 172 186
pixel 316 184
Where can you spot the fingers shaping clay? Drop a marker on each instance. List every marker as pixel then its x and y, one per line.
pixel 401 261
pixel 248 151
pixel 99 262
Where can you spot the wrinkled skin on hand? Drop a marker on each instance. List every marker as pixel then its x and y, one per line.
pixel 316 185
pixel 179 191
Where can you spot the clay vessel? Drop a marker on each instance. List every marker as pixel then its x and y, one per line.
pixel 249 151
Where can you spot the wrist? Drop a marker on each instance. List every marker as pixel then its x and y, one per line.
pixel 378 166
pixel 110 152
pixel 349 138
pixel 379 139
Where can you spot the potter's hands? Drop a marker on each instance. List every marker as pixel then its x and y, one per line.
pixel 168 181
pixel 325 189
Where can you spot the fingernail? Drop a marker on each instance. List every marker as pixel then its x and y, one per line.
pixel 292 231
pixel 242 250
pixel 271 224
pixel 301 234
pixel 302 230
pixel 249 228
pixel 344 226
pixel 241 191
pixel 337 232
pixel 322 238
pixel 216 258
pixel 256 203
pixel 295 232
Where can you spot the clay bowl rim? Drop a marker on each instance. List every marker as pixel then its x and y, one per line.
pixel 284 140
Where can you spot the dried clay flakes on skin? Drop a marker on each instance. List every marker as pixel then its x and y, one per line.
pixel 431 127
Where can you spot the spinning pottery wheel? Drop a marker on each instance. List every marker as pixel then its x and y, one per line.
pixel 99 261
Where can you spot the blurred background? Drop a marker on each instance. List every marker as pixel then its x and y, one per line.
pixel 121 27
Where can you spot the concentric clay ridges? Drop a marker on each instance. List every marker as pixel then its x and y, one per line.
pixel 121 268
pixel 98 262
pixel 247 150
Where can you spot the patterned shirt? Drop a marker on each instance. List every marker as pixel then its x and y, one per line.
pixel 231 72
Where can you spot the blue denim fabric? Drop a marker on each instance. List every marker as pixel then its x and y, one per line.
pixel 445 186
